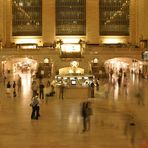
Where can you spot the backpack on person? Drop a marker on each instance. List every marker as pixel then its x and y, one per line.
pixel 35 102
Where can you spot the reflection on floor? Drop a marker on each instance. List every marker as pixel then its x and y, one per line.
pixel 117 121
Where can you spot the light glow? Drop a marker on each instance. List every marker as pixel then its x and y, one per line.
pixel 70 71
pixel 46 60
pixel 95 60
pixel 112 41
pixel 70 48
pixel 22 41
pixel 29 47
pixel 78 71
pixel 70 40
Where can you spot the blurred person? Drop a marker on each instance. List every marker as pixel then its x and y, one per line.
pixel 97 84
pixel 19 83
pixel 14 85
pixel 34 88
pixel 86 112
pixel 119 80
pixel 125 84
pixel 140 95
pixel 106 89
pixel 92 86
pixel 61 91
pixel 41 90
pixel 35 104
pixel 52 91
pixel 46 91
pixel 14 89
pixel 130 127
pixel 111 74
pixel 4 78
pixel 8 87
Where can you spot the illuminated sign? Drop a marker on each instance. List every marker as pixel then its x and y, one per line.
pixel 145 55
pixel 70 48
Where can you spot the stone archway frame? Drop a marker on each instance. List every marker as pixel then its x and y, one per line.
pixel 10 60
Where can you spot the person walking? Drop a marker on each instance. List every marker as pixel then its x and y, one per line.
pixel 92 86
pixel 97 84
pixel 140 95
pixel 125 85
pixel 8 88
pixel 34 88
pixel 19 83
pixel 119 80
pixel 130 127
pixel 35 104
pixel 4 78
pixel 41 90
pixel 47 91
pixel 86 113
pixel 38 108
pixel 14 89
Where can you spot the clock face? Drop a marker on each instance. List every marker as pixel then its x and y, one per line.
pixel 74 64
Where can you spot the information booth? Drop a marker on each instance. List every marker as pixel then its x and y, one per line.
pixel 75 85
pixel 75 82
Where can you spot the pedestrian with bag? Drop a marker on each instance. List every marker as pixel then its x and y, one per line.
pixel 35 104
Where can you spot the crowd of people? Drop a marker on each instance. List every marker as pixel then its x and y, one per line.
pixel 11 86
pixel 42 90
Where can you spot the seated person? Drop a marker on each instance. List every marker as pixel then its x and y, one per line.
pixel 52 91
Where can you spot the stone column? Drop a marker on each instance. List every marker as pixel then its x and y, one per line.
pixel 92 21
pixel 2 24
pixel 133 21
pixel 7 21
pixel 140 20
pixel 48 21
pixel 145 18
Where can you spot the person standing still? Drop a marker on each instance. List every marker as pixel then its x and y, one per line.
pixel 19 83
pixel 41 88
pixel 92 86
pixel 61 92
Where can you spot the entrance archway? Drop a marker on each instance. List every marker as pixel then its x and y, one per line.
pixel 20 65
pixel 126 64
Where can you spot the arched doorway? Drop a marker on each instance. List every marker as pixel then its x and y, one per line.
pixel 19 65
pixel 125 64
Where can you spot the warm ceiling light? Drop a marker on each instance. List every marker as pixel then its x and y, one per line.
pixel 112 41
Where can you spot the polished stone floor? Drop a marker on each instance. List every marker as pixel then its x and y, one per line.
pixel 117 121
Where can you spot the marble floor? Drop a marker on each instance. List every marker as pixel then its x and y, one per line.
pixel 117 121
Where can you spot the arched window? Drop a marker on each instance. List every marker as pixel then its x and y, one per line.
pixel 70 17
pixel 27 17
pixel 114 17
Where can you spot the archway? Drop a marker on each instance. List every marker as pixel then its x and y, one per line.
pixel 125 64
pixel 19 65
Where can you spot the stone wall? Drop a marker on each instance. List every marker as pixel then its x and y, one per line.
pixel 138 21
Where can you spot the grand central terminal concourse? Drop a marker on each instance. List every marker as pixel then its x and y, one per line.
pixel 73 74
